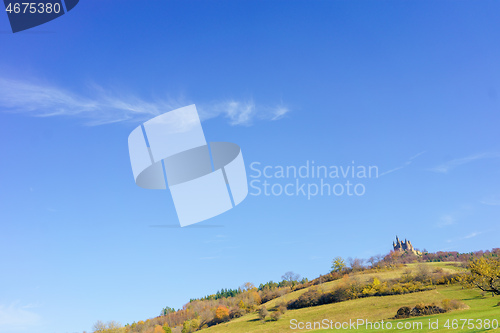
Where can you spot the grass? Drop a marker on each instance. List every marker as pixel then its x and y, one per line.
pixel 374 309
pixel 479 308
pixel 327 286
pixel 370 308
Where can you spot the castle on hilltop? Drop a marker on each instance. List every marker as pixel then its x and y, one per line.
pixel 405 246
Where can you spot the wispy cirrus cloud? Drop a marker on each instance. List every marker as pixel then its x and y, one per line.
pixel 446 167
pixel 242 112
pixel 446 220
pixel 490 201
pixel 18 317
pixel 101 107
pixel 452 217
pixel 404 165
pixel 468 236
pixel 472 235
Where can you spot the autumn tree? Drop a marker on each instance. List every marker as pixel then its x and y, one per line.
pixel 222 313
pixel 166 329
pixel 484 273
pixel 338 264
pixel 247 286
pixel 251 298
pixel 158 329
pixel 190 326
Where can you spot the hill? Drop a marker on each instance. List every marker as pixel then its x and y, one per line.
pixel 358 297
pixel 374 309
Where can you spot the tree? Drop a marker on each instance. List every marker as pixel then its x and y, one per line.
pixel 166 310
pixel 166 329
pixel 356 264
pixel 195 324
pixel 484 273
pixel 338 264
pixel 186 327
pixel 373 261
pixel 99 326
pixel 222 313
pixel 248 286
pixel 158 329
pixel 290 276
pixel 111 327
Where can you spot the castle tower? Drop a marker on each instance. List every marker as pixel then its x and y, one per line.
pixel 405 246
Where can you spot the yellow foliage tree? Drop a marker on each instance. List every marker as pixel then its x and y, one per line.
pixel 484 273
pixel 338 264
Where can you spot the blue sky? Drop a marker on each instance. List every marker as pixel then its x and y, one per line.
pixel 412 87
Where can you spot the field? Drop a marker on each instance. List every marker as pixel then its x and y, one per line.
pixel 376 309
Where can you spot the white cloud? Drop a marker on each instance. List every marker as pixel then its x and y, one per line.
pixel 491 201
pixel 102 107
pixel 242 113
pixel 408 162
pixel 472 235
pixel 446 220
pixel 17 317
pixel 279 112
pixel 417 155
pixel 445 167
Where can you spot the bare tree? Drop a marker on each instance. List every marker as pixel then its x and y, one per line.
pixel 99 326
pixel 290 276
pixel 356 264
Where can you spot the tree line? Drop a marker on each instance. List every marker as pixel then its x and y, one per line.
pixel 483 272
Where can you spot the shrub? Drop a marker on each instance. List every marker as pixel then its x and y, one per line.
pixel 403 312
pixel 309 298
pixel 418 310
pixel 251 307
pixel 236 313
pixel 453 304
pixel 275 316
pixel 281 307
pixel 263 313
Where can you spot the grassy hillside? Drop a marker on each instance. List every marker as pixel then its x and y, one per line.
pixel 374 309
pixel 362 277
